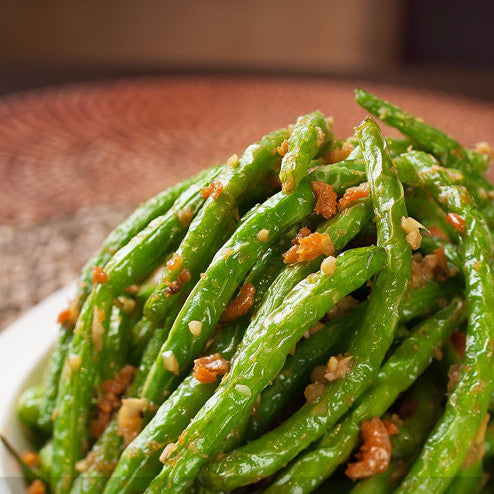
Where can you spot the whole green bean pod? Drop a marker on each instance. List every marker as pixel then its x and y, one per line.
pixel 139 462
pixel 469 480
pixel 396 375
pixel 446 149
pixel 260 361
pixel 215 221
pixel 29 406
pixel 368 346
pixel 412 432
pixel 446 448
pixel 210 295
pixel 309 135
pixel 420 302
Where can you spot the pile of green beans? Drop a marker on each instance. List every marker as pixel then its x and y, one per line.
pixel 267 324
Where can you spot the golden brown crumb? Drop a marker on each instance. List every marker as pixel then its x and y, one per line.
pixel 241 304
pixel 185 216
pixel 263 235
pixel 173 287
pixel 338 367
pixel 170 362
pixel 130 418
pixel 391 425
pixel 37 487
pixel 352 194
pixel 68 317
pixel 99 275
pixel 174 263
pixel 125 304
pixel 314 391
pixel 214 189
pixel 30 458
pixel 325 199
pixel 112 389
pixel 374 454
pixel 308 246
pixel 283 148
pixel 339 154
pixel 207 369
pixel 425 268
pixel 456 221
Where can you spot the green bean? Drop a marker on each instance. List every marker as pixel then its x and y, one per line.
pixel 368 347
pixel 309 135
pixel 446 149
pixel 468 480
pixel 229 266
pixel 446 448
pixel 139 463
pixel 138 220
pixel 260 361
pixel 420 302
pixel 412 433
pixel 29 406
pixel 216 219
pixel 396 375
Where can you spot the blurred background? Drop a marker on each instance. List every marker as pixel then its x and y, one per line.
pixel 104 103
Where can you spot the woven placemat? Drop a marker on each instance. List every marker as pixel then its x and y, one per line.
pixel 64 151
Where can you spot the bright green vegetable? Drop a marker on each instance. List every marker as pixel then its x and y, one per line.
pixel 446 448
pixel 257 363
pixel 368 346
pixel 228 268
pixel 396 375
pixel 213 224
pixel 446 149
pixel 309 135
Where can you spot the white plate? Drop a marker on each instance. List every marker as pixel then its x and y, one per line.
pixel 24 347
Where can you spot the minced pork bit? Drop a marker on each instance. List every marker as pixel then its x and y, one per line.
pixel 456 221
pixel 214 189
pixel 99 275
pixel 353 194
pixel 339 154
pixel 173 287
pixel 207 369
pixel 241 304
pixel 37 487
pixel 185 216
pixel 425 268
pixel 326 199
pixel 175 262
pixel 308 246
pixel 112 389
pixel 374 454
pixel 69 316
pixel 282 149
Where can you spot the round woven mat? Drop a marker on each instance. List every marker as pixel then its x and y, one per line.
pixel 73 160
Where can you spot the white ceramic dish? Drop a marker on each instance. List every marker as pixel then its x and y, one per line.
pixel 24 348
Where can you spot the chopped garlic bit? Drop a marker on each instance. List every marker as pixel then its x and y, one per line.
pixel 97 329
pixel 195 328
pixel 130 417
pixel 243 389
pixel 328 266
pixel 170 362
pixel 283 148
pixel 338 367
pixel 73 363
pixel 167 452
pixel 233 161
pixel 125 304
pixel 226 253
pixel 263 235
pixel 411 227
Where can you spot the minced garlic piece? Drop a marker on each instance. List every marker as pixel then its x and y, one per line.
pixel 73 363
pixel 243 389
pixel 227 253
pixel 125 304
pixel 170 362
pixel 338 367
pixel 130 418
pixel 167 451
pixel 411 227
pixel 97 329
pixel 283 148
pixel 195 328
pixel 233 161
pixel 328 266
pixel 263 235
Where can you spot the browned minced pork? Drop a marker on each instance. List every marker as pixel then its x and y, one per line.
pixel 207 369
